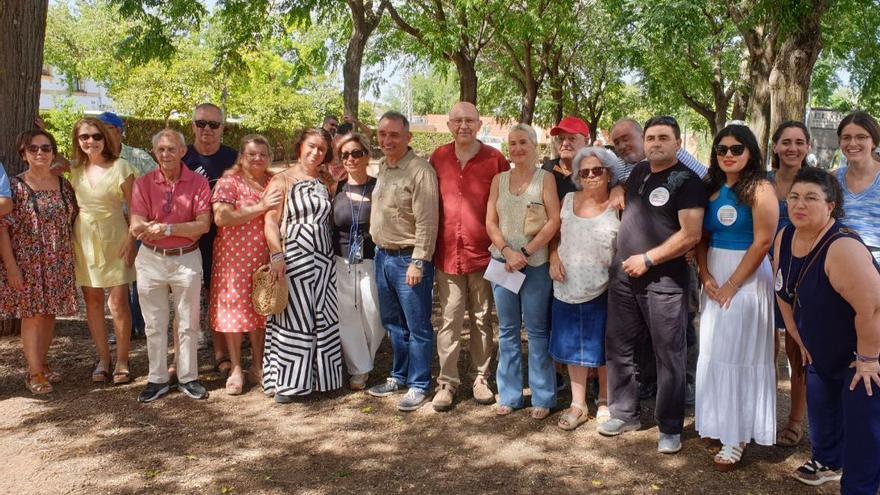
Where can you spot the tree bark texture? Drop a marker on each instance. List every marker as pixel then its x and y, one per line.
pixel 467 77
pixel 22 31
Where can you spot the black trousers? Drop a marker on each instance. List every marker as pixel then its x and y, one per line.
pixel 663 317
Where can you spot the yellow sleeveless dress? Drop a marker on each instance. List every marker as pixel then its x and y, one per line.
pixel 101 230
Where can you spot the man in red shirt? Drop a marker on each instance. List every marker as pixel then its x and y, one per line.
pixel 465 168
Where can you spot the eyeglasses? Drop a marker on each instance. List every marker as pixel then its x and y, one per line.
pixel 95 137
pixel 735 150
pixel 459 122
pixel 169 197
pixel 354 154
pixel 810 199
pixel 34 149
pixel 213 124
pixel 256 155
pixel 585 173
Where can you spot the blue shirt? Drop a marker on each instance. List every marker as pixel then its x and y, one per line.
pixel 729 222
pixel 5 191
pixel 784 220
pixel 862 211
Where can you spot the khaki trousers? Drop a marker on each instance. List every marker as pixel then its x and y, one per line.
pixel 459 293
pixel 158 275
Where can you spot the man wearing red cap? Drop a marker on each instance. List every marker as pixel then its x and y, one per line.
pixel 572 134
pixel 465 168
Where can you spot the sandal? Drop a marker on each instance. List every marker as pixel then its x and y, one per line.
pixel 539 413
pixel 569 421
pixel 223 370
pixel 791 435
pixel 52 376
pixel 503 410
pixel 100 375
pixel 38 384
pixel 728 457
pixel 121 377
pixel 235 384
pixel 604 413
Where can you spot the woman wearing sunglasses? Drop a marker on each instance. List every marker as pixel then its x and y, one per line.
pixel 37 251
pixel 104 248
pixel 360 326
pixel 580 269
pixel 736 381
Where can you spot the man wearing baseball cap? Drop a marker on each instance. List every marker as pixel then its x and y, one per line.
pixel 140 159
pixel 571 135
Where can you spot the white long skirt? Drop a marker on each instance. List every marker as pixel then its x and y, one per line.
pixel 360 326
pixel 736 376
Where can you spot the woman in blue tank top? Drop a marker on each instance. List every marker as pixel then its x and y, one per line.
pixel 828 288
pixel 791 145
pixel 736 380
pixel 858 135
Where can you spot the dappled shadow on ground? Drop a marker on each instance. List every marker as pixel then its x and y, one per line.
pixel 90 439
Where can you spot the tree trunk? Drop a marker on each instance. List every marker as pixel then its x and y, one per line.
pixel 528 98
pixel 758 110
pixel 22 31
pixel 467 77
pixel 351 69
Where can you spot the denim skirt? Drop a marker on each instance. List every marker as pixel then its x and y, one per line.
pixel 578 336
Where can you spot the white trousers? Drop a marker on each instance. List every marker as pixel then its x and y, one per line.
pixel 181 276
pixel 360 326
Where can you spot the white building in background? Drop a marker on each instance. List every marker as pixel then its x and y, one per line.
pixel 87 94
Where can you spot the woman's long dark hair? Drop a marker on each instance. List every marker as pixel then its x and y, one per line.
pixel 750 176
pixel 778 135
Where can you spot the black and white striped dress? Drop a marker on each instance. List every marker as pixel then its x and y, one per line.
pixel 303 351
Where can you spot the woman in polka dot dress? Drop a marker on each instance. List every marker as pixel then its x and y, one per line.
pixel 240 248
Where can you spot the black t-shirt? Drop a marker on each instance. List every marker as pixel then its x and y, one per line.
pixel 344 211
pixel 653 201
pixel 564 185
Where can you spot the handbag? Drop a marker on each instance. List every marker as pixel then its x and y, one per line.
pixel 269 295
pixel 536 218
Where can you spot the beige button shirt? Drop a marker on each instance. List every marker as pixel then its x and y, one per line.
pixel 405 208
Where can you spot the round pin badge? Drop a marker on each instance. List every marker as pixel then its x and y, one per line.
pixel 727 215
pixel 659 196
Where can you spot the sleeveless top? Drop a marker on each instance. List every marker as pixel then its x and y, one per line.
pixel 586 249
pixel 512 214
pixel 862 211
pixel 825 321
pixel 784 220
pixel 729 222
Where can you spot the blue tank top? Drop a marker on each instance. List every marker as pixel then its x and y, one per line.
pixel 825 321
pixel 862 210
pixel 784 220
pixel 729 222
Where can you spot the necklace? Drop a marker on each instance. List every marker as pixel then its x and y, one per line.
pixel 792 291
pixel 525 185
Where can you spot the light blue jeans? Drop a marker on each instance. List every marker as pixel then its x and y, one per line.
pixel 532 307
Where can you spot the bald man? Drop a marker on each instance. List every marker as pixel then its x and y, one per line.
pixel 465 168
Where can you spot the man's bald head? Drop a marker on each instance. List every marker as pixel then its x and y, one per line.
pixel 464 123
pixel 626 135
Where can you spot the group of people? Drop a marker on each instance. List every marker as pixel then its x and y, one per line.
pixel 595 254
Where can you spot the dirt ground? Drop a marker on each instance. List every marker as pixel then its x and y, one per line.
pixel 86 439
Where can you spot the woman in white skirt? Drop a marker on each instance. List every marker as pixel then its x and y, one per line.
pixel 360 327
pixel 736 384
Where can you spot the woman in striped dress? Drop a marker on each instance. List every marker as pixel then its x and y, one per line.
pixel 303 351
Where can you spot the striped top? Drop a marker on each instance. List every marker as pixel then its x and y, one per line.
pixel 862 211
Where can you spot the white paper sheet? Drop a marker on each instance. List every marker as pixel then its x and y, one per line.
pixel 496 274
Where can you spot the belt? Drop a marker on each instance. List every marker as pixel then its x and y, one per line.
pixel 173 251
pixel 407 251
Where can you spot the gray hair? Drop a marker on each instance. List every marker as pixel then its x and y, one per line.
pixel 177 135
pixel 635 125
pixel 212 106
pixel 605 157
pixel 397 116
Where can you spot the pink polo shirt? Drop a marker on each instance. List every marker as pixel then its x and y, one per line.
pixel 190 197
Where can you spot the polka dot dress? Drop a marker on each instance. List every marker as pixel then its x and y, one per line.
pixel 238 252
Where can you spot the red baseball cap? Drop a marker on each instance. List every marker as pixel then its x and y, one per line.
pixel 571 125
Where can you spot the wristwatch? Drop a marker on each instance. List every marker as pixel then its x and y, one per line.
pixel 648 261
pixel 167 230
pixel 420 264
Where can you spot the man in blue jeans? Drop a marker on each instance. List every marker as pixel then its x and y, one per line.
pixel 403 224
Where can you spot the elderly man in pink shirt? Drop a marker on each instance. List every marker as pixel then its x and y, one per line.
pixel 170 210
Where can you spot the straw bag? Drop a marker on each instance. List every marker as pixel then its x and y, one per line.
pixel 536 218
pixel 268 295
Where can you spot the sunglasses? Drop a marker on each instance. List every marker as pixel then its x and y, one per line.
pixel 213 124
pixel 354 154
pixel 735 150
pixel 585 173
pixel 95 137
pixel 34 149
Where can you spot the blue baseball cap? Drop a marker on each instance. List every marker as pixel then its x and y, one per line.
pixel 111 118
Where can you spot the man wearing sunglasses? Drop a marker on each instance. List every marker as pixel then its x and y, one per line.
pixel 649 285
pixel 208 157
pixel 465 168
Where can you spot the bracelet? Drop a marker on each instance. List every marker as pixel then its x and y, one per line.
pixel 524 252
pixel 866 359
pixel 737 287
pixel 501 251
pixel 279 256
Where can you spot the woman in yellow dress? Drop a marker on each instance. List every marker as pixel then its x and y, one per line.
pixel 103 248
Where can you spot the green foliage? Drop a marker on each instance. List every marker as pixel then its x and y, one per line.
pixel 59 122
pixel 433 92
pixel 424 143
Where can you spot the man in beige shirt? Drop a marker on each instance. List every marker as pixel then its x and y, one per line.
pixel 403 224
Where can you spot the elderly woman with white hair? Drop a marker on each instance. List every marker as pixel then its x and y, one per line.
pixel 580 266
pixel 522 217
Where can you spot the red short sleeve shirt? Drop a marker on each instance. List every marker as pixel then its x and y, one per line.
pixel 156 200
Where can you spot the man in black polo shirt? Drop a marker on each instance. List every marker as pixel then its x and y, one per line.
pixel 649 286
